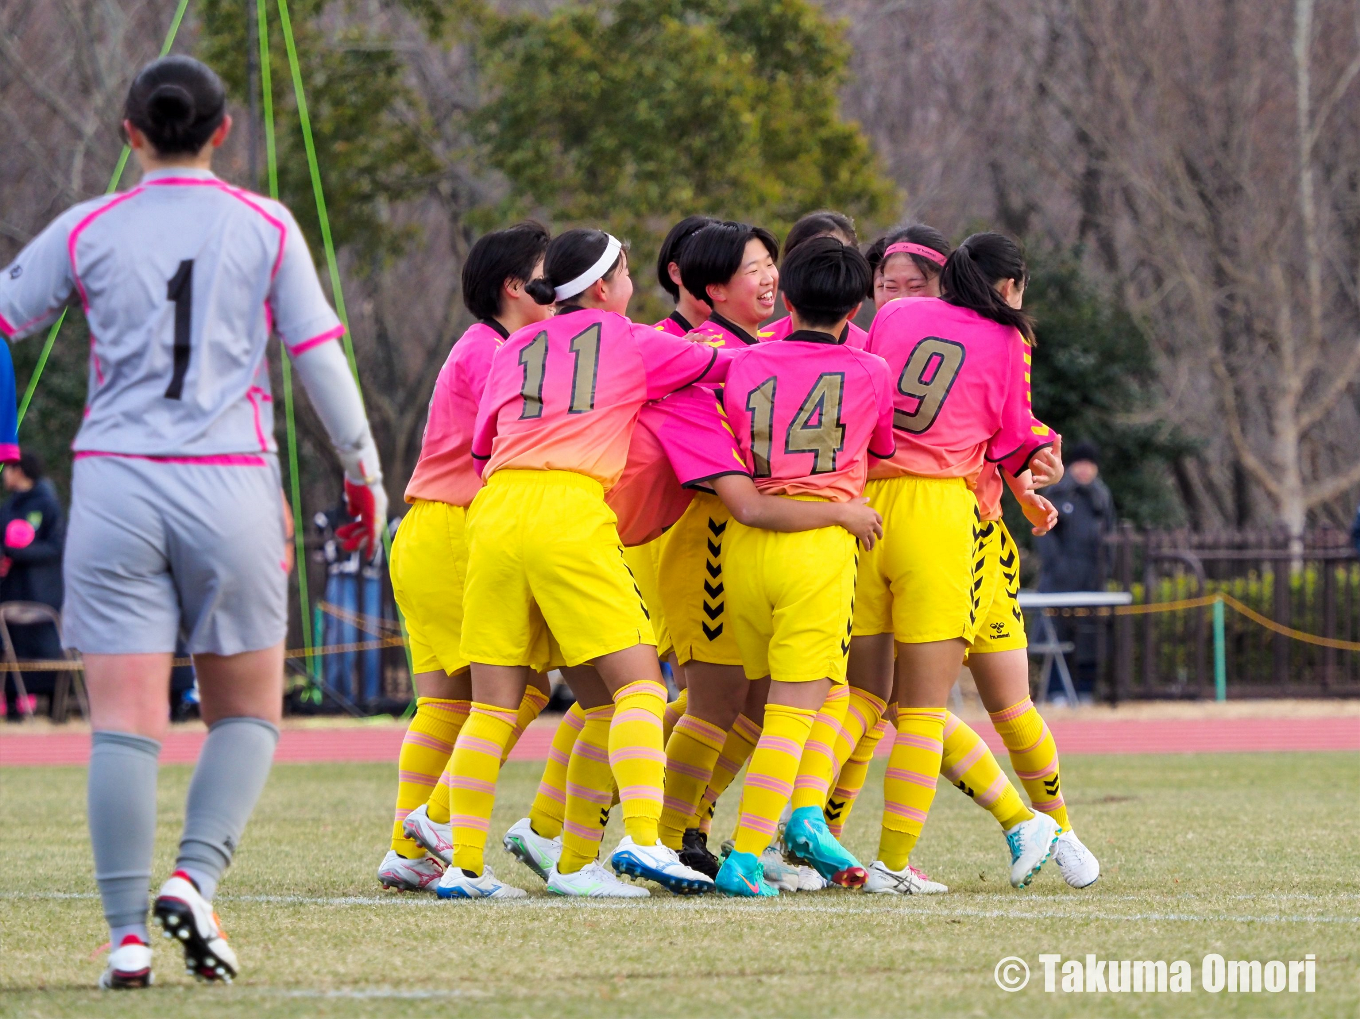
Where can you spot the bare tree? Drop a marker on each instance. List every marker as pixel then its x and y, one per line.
pixel 1205 154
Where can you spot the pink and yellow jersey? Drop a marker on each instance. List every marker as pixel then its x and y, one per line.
pixel 445 470
pixel 719 332
pixel 808 412
pixel 564 395
pixel 852 335
pixel 961 390
pixel 675 324
pixel 679 444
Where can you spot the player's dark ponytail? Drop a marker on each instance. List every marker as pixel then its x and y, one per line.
pixel 971 273
pixel 177 102
pixel 569 255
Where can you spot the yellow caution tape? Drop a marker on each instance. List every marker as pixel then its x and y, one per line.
pixel 1208 599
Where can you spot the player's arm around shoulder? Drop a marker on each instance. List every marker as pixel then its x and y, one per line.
pixel 672 362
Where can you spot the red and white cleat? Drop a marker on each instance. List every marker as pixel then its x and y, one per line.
pixel 436 838
pixel 419 875
pixel 189 917
pixel 129 966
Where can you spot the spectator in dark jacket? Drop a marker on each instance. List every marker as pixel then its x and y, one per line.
pixel 32 531
pixel 1073 553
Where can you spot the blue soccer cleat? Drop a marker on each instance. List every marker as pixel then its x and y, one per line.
pixel 743 875
pixel 807 837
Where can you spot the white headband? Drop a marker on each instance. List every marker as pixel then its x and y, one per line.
pixel 601 266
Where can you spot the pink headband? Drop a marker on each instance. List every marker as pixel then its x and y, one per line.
pixel 904 248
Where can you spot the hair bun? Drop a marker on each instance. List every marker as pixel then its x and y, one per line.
pixel 541 291
pixel 171 108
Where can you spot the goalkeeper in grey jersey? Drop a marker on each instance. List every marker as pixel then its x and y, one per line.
pixel 175 525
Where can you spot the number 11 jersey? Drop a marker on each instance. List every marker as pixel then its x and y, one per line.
pixel 182 279
pixel 564 395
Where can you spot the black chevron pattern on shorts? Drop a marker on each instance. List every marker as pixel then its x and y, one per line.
pixel 636 590
pixel 713 602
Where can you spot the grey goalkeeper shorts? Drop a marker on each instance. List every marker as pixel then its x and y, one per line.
pixel 158 549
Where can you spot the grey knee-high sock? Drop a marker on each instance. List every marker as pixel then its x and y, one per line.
pixel 122 810
pixel 231 772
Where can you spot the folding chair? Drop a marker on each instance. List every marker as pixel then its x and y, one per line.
pixel 30 613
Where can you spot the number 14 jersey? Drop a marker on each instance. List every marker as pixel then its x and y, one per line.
pixel 181 278
pixel 808 411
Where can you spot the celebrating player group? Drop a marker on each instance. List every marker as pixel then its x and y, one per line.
pixel 803 518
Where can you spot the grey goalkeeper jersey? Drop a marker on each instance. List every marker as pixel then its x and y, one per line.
pixel 182 279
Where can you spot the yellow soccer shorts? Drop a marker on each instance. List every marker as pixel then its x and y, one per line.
pixel 790 598
pixel 544 552
pixel 1001 624
pixel 694 585
pixel 429 564
pixel 645 563
pixel 920 582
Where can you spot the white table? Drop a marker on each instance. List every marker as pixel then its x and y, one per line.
pixel 1054 651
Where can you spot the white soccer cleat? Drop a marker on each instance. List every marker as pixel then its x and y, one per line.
pixel 809 880
pixel 1077 864
pixel 777 870
pixel 531 849
pixel 907 881
pixel 1031 842
pixel 660 864
pixel 189 918
pixel 455 884
pixel 405 875
pixel 129 966
pixel 593 882
pixel 435 838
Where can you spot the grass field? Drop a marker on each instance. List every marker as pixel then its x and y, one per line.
pixel 1249 856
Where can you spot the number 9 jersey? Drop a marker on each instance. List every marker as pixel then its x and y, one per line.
pixel 962 391
pixel 181 278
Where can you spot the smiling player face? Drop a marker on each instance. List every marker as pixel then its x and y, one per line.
pixel 900 276
pixel 748 297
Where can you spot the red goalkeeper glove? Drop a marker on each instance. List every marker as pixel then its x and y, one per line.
pixel 367 505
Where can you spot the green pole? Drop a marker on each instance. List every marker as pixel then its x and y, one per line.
pixel 1220 654
pixel 332 265
pixel 309 627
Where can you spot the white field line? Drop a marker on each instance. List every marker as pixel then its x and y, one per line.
pixel 1022 913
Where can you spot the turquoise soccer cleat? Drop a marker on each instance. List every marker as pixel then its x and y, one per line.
pixel 807 837
pixel 743 875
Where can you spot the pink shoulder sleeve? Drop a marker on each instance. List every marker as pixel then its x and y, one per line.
pixel 672 363
pixel 1020 434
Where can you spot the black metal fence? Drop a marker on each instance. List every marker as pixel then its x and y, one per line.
pixel 1312 587
pixel 1166 653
